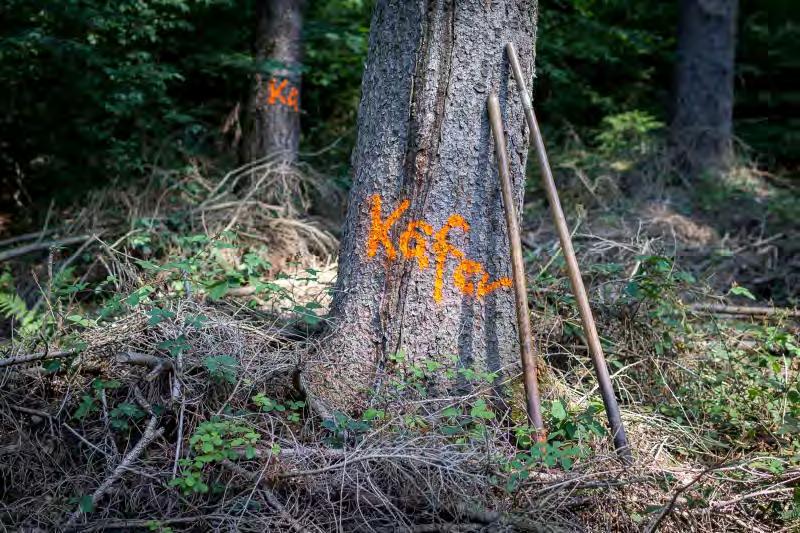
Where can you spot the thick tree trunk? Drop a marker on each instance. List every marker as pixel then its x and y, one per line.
pixel 273 115
pixel 702 125
pixel 425 261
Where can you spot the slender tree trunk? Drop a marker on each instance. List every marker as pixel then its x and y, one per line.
pixel 273 115
pixel 702 125
pixel 425 264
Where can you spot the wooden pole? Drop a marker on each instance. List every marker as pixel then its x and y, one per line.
pixel 578 289
pixel 518 272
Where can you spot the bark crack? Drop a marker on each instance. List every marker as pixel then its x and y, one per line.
pixel 425 142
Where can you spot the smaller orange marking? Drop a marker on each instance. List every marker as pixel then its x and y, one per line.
pixel 416 231
pixel 485 288
pixel 276 92
pixel 463 271
pixel 467 268
pixel 379 229
pixel 293 99
pixel 442 249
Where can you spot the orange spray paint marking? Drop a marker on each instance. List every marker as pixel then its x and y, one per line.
pixel 468 268
pixel 462 273
pixel 416 231
pixel 276 92
pixel 293 100
pixel 414 244
pixel 442 249
pixel 379 229
pixel 279 92
pixel 484 287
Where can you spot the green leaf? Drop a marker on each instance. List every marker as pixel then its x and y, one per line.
pixel 86 504
pixel 52 366
pixel 137 296
pixel 78 319
pixel 479 410
pixel 196 321
pixel 158 315
pixel 451 412
pixel 217 290
pixel 372 414
pixel 85 407
pixel 111 306
pixel 633 290
pixel 738 290
pixel 558 411
pixel 127 409
pixel 176 346
pixel 222 367
pixel 147 265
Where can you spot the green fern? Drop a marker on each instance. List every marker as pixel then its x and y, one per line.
pixel 26 321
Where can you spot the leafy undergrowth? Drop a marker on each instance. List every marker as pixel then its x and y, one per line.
pixel 711 411
pixel 168 394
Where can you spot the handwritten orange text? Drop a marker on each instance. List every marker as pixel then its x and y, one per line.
pixel 419 242
pixel 280 92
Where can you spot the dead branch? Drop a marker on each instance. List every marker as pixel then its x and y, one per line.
pixel 136 358
pixel 25 237
pixel 765 492
pixel 489 517
pixel 268 494
pixel 29 411
pixel 44 245
pixel 744 310
pixel 134 524
pixel 22 359
pixel 674 500
pixel 149 435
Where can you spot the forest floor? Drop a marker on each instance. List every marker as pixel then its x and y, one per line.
pixel 152 376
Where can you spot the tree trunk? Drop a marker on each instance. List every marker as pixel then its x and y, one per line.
pixel 702 124
pixel 273 115
pixel 424 264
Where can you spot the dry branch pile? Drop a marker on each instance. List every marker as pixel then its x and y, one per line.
pixel 301 475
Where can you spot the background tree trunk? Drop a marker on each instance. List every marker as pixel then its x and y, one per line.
pixel 423 136
pixel 702 124
pixel 273 114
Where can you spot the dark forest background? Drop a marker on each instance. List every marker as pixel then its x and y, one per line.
pixel 93 91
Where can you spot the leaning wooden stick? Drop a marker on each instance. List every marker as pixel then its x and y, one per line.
pixel 578 289
pixel 518 271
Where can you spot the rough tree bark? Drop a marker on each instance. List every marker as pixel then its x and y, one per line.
pixel 273 115
pixel 424 261
pixel 702 123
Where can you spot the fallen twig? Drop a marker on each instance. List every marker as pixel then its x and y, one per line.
pixel 29 411
pixel 44 245
pixel 738 499
pixel 268 494
pixel 149 435
pixel 674 500
pixel 147 523
pixel 25 237
pixel 135 358
pixel 489 517
pixel 744 310
pixel 22 359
